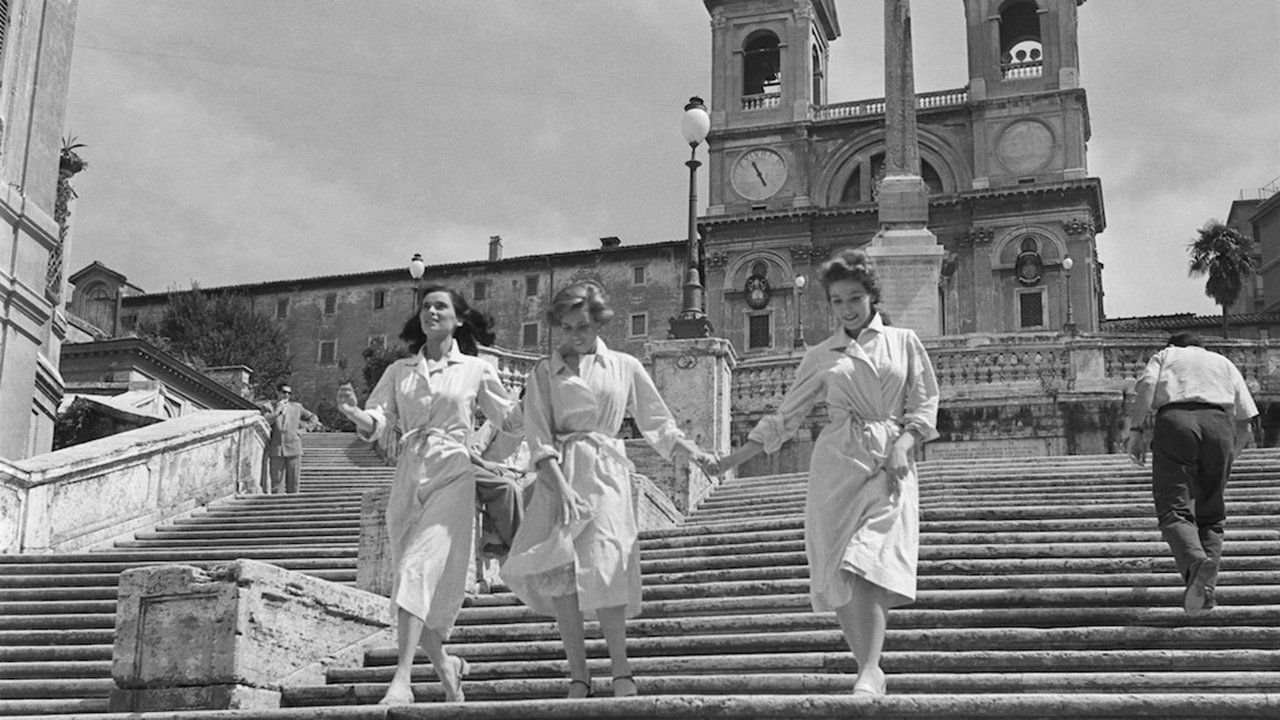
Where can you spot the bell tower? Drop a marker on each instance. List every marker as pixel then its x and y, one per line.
pixel 769 70
pixel 1020 46
pixel 1030 121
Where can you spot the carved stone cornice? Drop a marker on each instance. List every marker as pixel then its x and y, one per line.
pixel 717 259
pixel 977 236
pixel 1078 226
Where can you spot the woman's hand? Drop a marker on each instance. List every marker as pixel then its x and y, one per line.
pixel 709 463
pixel 898 465
pixel 572 507
pixel 348 403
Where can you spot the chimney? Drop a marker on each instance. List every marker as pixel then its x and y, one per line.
pixel 609 243
pixel 495 247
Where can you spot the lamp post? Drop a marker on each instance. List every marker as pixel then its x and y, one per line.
pixel 692 321
pixel 800 282
pixel 416 268
pixel 1070 327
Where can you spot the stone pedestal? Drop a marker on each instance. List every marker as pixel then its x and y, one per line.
pixel 908 265
pixel 232 636
pixel 693 377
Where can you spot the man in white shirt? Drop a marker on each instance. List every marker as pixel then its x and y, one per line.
pixel 1203 416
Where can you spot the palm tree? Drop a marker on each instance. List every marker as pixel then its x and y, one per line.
pixel 1226 256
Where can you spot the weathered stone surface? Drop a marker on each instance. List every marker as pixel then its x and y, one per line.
pixel 88 493
pixel 231 636
pixel 373 564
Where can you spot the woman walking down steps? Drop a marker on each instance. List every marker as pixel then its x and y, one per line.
pixel 432 398
pixel 862 527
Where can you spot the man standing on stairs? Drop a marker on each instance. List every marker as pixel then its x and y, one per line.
pixel 284 447
pixel 1203 413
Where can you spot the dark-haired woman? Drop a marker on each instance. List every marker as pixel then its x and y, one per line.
pixel 432 398
pixel 861 509
pixel 577 552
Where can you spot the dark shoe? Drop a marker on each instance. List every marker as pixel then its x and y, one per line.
pixel 627 688
pixel 590 692
pixel 1203 575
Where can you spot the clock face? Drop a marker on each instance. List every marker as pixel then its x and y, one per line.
pixel 759 174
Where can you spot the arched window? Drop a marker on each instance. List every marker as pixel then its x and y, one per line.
pixel 761 66
pixel 1021 51
pixel 859 189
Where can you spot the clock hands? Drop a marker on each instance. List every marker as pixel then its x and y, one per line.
pixel 759 174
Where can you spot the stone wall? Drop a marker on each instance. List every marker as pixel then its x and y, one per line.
pixel 96 491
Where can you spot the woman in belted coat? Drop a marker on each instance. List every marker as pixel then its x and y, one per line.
pixel 577 553
pixel 862 527
pixel 432 398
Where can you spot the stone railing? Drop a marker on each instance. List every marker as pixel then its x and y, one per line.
pixel 90 493
pixel 1022 70
pixel 513 366
pixel 991 365
pixel 874 107
pixel 761 102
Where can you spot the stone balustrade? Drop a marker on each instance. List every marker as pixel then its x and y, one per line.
pixel 1022 70
pixel 761 102
pixel 90 493
pixel 875 106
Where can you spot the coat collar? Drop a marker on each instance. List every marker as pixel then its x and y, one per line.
pixel 601 354
pixel 840 342
pixel 453 357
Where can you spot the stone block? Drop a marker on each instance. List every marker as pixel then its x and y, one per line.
pixel 373 559
pixel 233 635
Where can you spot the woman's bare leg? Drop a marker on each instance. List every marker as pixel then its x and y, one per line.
pixel 864 621
pixel 569 622
pixel 613 625
pixel 408 633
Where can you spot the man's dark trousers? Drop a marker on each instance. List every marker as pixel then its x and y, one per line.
pixel 1191 447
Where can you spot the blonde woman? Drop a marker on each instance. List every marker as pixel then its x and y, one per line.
pixel 577 554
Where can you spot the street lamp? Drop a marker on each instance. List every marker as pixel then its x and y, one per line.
pixel 416 268
pixel 800 281
pixel 1070 327
pixel 692 321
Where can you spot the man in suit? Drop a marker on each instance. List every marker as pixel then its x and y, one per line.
pixel 284 447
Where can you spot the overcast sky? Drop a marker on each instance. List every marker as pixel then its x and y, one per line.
pixel 239 141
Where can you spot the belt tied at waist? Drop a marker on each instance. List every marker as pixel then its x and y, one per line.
pixel 601 441
pixel 420 437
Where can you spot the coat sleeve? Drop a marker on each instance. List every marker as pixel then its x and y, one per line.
pixel 381 405
pixel 539 425
pixel 920 406
pixel 492 397
pixel 650 412
pixel 775 429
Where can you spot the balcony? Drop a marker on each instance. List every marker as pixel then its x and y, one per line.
pixel 875 107
pixel 1022 70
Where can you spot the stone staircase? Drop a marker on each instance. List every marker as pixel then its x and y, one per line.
pixel 1045 592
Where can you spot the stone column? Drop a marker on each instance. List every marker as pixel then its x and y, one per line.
pixel 907 256
pixel 693 377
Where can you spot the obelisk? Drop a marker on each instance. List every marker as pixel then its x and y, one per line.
pixel 907 257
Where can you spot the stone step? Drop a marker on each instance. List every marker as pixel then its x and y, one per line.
pixel 57 653
pixel 1173 634
pixel 30 688
pixel 796 706
pixel 55 668
pixel 1259 490
pixel 985 661
pixel 829 683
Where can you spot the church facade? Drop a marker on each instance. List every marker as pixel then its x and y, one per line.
pixel 793 178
